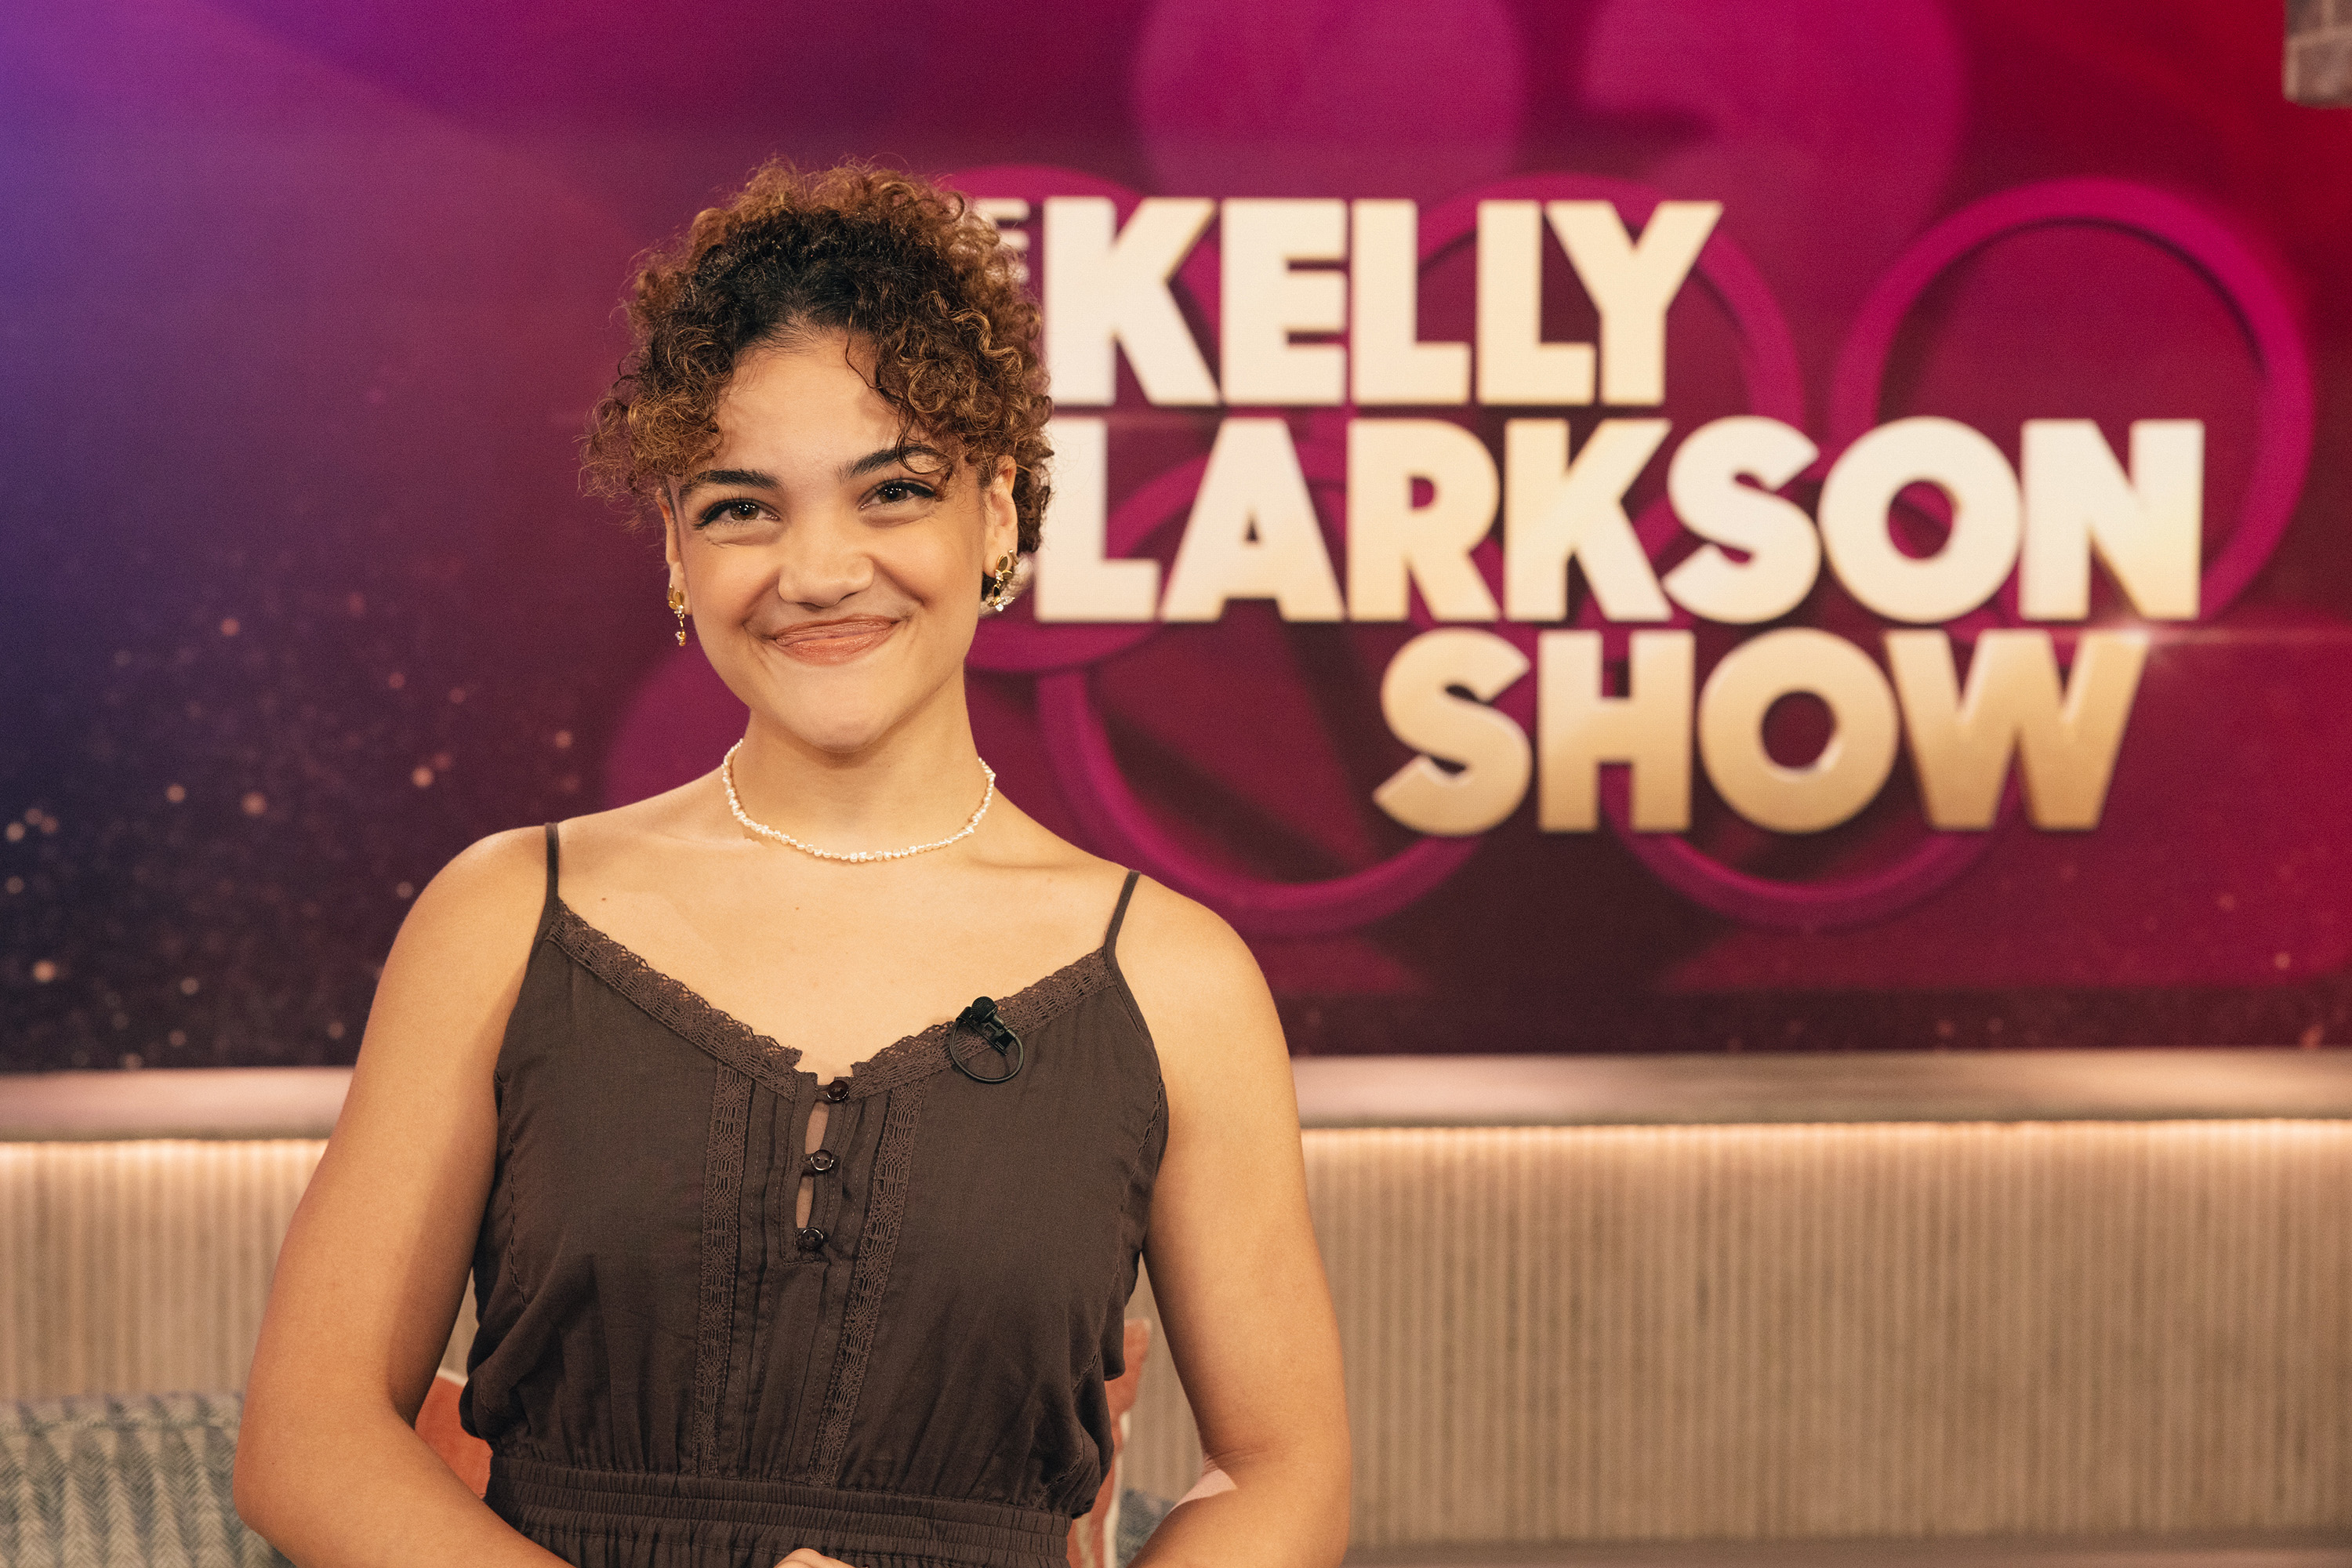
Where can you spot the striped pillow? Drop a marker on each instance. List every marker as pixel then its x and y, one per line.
pixel 144 1478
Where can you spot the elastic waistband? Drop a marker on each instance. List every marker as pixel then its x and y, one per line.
pixel 836 1523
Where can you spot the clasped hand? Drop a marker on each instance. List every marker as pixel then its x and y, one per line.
pixel 805 1558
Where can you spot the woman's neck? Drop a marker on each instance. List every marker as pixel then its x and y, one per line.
pixel 916 786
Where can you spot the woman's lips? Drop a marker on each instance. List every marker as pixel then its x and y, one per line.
pixel 834 642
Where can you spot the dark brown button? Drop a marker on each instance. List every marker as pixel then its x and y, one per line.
pixel 837 1091
pixel 811 1239
pixel 818 1164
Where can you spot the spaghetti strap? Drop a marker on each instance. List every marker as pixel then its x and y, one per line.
pixel 1117 916
pixel 554 856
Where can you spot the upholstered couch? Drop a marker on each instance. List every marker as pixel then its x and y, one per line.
pixel 1595 1308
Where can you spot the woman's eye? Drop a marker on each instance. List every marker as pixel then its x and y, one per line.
pixel 732 512
pixel 893 493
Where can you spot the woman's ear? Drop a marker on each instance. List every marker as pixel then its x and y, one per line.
pixel 665 503
pixel 1002 518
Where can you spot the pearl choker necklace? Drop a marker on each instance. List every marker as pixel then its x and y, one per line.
pixel 726 776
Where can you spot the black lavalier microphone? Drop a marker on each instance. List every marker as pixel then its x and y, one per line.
pixel 983 1019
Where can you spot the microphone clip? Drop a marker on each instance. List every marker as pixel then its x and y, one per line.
pixel 983 1019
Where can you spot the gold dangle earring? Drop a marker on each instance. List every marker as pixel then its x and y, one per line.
pixel 999 584
pixel 678 608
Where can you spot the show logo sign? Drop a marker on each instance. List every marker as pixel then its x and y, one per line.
pixel 1568 643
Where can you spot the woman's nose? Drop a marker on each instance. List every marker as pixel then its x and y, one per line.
pixel 821 566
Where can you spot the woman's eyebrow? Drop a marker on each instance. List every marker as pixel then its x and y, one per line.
pixel 890 457
pixel 753 478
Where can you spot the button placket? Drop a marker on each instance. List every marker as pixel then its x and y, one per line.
pixel 820 1169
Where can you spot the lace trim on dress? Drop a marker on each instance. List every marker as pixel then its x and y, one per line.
pixel 919 1056
pixel 682 1011
pixel 673 1006
pixel 722 1189
pixel 894 1170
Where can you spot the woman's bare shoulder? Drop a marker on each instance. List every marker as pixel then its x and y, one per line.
pixel 1200 990
pixel 487 883
pixel 462 949
pixel 1167 937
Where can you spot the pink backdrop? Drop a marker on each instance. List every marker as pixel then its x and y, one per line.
pixel 305 304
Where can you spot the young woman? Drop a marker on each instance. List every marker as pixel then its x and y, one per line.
pixel 783 1251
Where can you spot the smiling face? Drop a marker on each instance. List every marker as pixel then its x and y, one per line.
pixel 832 560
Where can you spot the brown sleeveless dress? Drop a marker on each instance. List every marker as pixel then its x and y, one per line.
pixel 671 1373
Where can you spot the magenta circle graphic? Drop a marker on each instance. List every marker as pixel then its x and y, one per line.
pixel 2285 415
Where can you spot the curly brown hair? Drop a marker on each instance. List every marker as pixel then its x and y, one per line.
pixel 887 257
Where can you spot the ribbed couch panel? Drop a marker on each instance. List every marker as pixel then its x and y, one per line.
pixel 1743 1333
pixel 140 1265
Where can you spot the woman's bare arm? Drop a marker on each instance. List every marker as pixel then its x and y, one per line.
pixel 328 1467
pixel 1234 1266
